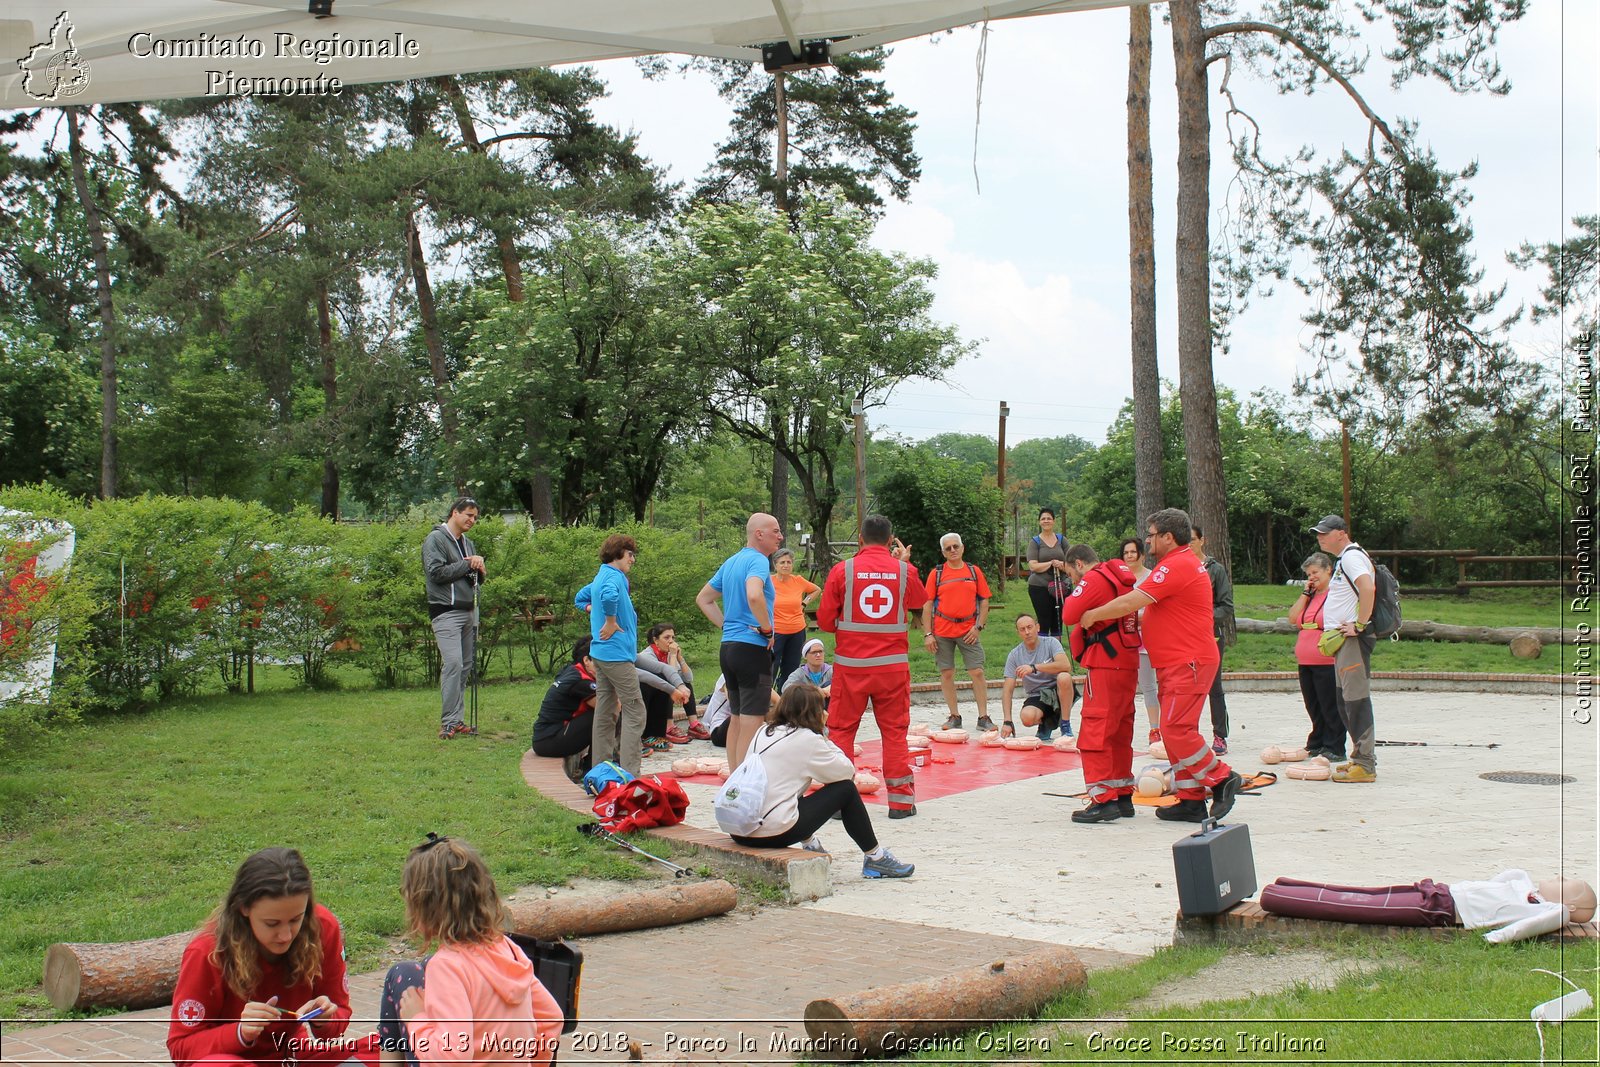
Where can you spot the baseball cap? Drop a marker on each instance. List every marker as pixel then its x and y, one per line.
pixel 1328 524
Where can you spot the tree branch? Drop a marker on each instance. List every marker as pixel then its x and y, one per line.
pixel 1239 28
pixel 527 135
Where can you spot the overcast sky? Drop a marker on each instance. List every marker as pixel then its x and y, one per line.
pixel 1035 264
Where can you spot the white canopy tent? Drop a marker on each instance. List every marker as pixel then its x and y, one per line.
pixel 102 51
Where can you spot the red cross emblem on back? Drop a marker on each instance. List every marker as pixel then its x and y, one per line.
pixel 876 601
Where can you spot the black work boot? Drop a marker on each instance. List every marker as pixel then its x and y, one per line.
pixel 1183 811
pixel 1224 793
pixel 1105 812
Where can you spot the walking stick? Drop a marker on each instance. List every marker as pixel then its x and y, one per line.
pixel 472 698
pixel 594 829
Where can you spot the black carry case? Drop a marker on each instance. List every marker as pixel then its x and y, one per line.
pixel 1215 868
pixel 559 968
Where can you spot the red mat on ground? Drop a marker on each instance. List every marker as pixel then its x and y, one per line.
pixel 974 768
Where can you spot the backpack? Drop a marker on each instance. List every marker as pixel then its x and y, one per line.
pixel 938 584
pixel 605 774
pixel 640 804
pixel 741 803
pixel 1386 617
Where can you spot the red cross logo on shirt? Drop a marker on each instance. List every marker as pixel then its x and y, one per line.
pixel 876 601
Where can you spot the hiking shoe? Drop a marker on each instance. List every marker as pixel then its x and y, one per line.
pixel 1183 811
pixel 952 723
pixel 885 866
pixel 446 734
pixel 676 736
pixel 1106 811
pixel 813 844
pixel 1125 807
pixel 1354 772
pixel 1331 756
pixel 1224 793
pixel 985 724
pixel 699 732
pixel 1219 745
pixel 572 765
pixel 902 813
pixel 660 744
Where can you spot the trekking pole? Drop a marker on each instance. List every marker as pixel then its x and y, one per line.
pixel 472 709
pixel 594 829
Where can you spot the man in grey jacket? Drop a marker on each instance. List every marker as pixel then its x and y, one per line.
pixel 453 571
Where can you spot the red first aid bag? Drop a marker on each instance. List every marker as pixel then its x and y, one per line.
pixel 640 804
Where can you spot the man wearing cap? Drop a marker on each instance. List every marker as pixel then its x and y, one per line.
pixel 953 620
pixel 1176 599
pixel 1348 610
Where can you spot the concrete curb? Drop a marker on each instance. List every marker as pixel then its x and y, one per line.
pixel 1382 681
pixel 801 875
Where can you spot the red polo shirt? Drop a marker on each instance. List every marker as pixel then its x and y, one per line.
pixel 1177 627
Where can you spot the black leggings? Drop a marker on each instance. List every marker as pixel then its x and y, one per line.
pixel 1219 699
pixel 1319 690
pixel 1046 612
pixel 786 654
pixel 574 737
pixel 658 710
pixel 818 808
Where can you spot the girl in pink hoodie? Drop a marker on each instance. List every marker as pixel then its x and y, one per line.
pixel 476 999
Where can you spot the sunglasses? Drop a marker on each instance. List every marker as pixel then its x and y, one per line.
pixel 952 548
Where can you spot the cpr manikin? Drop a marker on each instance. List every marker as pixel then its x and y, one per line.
pixel 1509 905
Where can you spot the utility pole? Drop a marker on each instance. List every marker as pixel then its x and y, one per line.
pixel 858 410
pixel 1344 455
pixel 1000 466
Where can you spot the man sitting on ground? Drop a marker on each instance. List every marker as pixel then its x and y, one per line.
pixel 1042 666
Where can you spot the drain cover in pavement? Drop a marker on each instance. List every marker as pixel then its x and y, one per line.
pixel 1527 778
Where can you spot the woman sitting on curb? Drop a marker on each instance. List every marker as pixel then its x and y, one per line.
pixel 794 752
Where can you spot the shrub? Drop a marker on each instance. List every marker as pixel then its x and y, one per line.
pixel 387 613
pixel 43 616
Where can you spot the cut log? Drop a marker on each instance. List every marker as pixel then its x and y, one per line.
pixel 897 1019
pixel 1526 646
pixel 1425 630
pixel 608 913
pixel 119 974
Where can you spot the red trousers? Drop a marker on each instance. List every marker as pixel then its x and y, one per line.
pixel 890 695
pixel 1183 690
pixel 1105 734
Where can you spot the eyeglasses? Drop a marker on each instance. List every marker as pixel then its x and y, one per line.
pixel 952 548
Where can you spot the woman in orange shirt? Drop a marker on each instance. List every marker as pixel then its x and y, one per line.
pixel 794 592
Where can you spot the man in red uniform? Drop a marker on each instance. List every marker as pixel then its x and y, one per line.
pixel 1111 654
pixel 865 602
pixel 1177 631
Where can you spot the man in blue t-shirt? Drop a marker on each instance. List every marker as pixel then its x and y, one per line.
pixel 743 584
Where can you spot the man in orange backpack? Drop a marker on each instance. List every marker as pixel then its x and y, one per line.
pixel 1110 652
pixel 953 620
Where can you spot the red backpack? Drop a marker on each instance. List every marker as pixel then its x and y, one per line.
pixel 640 804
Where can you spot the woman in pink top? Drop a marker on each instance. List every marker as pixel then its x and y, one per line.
pixel 476 999
pixel 1317 685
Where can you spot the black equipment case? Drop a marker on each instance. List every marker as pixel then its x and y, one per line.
pixel 1215 868
pixel 559 968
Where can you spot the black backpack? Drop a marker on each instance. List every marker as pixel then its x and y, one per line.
pixel 1386 617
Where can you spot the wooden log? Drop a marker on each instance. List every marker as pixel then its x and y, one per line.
pixel 1526 646
pixel 897 1019
pixel 1438 631
pixel 608 913
pixel 119 974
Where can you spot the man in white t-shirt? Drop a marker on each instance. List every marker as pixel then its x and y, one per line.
pixel 1349 609
pixel 1043 668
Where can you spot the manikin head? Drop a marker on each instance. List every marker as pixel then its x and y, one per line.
pixel 1575 893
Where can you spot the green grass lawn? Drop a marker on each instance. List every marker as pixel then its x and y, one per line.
pixel 132 827
pixel 1461 1000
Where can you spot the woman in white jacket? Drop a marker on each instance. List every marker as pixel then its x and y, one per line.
pixel 794 752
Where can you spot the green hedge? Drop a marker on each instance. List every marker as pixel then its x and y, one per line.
pixel 177 595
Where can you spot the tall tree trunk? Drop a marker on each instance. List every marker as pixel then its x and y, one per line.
pixel 108 317
pixel 1208 495
pixel 330 395
pixel 537 491
pixel 428 313
pixel 778 415
pixel 1148 479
